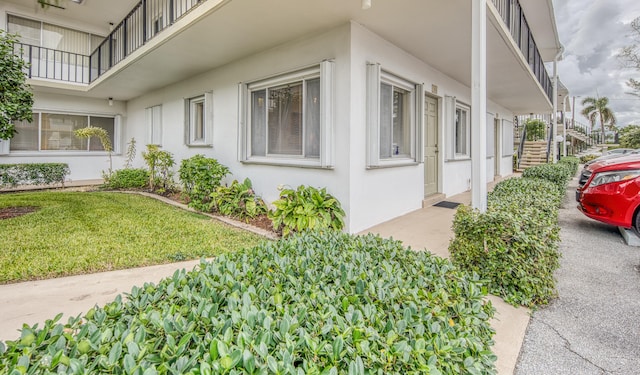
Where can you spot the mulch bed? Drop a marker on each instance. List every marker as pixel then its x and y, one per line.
pixel 11 212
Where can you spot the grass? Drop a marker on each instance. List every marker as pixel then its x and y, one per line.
pixel 76 233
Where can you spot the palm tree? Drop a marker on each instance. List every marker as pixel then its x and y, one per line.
pixel 597 108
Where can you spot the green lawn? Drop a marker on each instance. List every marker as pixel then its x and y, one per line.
pixel 75 233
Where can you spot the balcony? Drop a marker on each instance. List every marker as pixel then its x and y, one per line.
pixel 515 20
pixel 145 21
pixel 47 63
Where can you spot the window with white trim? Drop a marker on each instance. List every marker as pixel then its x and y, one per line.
pixel 394 118
pixel 287 119
pixel 199 120
pixel 462 132
pixel 55 132
pixel 154 125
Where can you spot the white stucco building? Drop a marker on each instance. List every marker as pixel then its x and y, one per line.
pixel 373 104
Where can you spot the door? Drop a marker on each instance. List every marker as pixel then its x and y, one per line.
pixel 431 146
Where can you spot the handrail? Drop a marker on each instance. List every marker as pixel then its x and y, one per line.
pixel 521 145
pixel 143 23
pixel 515 20
pixel 55 64
pixel 549 141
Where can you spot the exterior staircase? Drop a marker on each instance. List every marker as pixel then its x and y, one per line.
pixel 534 153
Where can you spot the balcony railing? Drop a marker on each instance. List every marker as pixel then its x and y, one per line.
pixel 513 16
pixel 145 21
pixel 49 63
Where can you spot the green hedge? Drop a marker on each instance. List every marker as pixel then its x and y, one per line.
pixel 313 303
pixel 514 244
pixel 33 174
pixel 559 174
pixel 128 178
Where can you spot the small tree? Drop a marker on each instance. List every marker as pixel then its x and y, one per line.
pixel 16 98
pixel 630 56
pixel 630 136
pixel 160 165
pixel 102 135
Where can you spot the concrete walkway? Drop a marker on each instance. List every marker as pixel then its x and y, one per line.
pixel 428 228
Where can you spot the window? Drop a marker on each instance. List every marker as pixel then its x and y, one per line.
pixel 199 120
pixel 394 119
pixel 461 134
pixel 289 118
pixel 55 132
pixel 154 125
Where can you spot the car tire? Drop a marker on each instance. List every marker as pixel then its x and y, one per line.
pixel 636 221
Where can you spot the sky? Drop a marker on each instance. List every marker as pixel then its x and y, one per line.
pixel 592 33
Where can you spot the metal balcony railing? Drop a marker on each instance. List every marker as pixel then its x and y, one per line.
pixel 515 20
pixel 49 63
pixel 145 21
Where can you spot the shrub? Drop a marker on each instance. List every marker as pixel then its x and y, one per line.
pixel 514 244
pixel 306 208
pixel 131 178
pixel 160 172
pixel 311 304
pixel 587 158
pixel 238 200
pixel 535 129
pixel 556 173
pixel 200 177
pixel 33 174
pixel 572 163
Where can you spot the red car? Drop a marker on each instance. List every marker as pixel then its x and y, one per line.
pixel 609 191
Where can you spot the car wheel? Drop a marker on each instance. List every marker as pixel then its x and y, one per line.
pixel 636 221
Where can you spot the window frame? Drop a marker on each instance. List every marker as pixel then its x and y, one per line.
pixel 191 137
pixel 117 129
pixel 376 77
pixel 323 72
pixel 467 130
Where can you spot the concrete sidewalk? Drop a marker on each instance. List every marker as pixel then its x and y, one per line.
pixel 428 228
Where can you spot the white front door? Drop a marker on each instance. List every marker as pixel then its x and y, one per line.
pixel 431 146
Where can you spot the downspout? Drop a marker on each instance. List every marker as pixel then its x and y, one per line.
pixel 554 115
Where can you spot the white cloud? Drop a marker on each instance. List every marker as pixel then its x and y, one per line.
pixel 593 31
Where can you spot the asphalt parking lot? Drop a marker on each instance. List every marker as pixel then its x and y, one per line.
pixel 593 327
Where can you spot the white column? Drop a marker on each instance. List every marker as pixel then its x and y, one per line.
pixel 479 105
pixel 554 115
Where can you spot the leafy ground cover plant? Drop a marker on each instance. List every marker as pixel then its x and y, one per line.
pixel 200 177
pixel 75 233
pixel 306 208
pixel 238 200
pixel 514 244
pixel 33 174
pixel 312 303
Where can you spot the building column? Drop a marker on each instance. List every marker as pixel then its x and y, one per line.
pixel 479 105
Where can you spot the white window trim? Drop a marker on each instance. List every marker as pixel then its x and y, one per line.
pixel 5 146
pixel 376 76
pixel 450 107
pixel 325 71
pixel 153 117
pixel 207 140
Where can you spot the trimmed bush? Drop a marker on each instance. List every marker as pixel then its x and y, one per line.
pixel 128 178
pixel 559 174
pixel 587 158
pixel 514 244
pixel 306 208
pixel 313 303
pixel 572 163
pixel 200 177
pixel 33 174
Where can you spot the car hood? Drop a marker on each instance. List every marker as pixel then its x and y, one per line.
pixel 623 162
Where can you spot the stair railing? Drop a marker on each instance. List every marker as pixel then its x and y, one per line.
pixel 523 138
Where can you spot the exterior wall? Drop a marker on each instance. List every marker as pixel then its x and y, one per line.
pixel 381 194
pixel 223 82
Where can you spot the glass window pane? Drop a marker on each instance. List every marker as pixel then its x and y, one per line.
pixel 106 123
pixel 28 30
pixel 26 139
pixel 198 121
pixel 312 119
pixel 57 132
pixel 258 123
pixel 285 120
pixel 64 39
pixel 401 123
pixel 461 132
pixel 386 120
